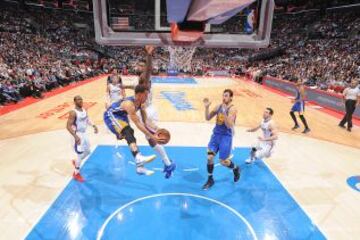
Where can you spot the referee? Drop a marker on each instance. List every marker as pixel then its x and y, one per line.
pixel 352 97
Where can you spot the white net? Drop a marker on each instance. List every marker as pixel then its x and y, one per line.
pixel 180 58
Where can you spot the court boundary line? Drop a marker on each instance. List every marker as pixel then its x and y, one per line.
pixel 67 182
pixel 124 206
pixel 295 200
pixel 30 100
pixel 32 226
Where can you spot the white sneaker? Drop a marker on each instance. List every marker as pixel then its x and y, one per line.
pixel 141 160
pixel 143 171
pixel 249 160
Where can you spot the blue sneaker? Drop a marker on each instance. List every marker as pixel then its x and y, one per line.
pixel 168 170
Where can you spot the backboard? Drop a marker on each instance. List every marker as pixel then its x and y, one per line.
pixel 219 23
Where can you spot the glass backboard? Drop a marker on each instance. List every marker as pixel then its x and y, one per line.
pixel 222 23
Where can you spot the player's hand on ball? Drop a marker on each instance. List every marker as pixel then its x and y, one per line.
pixel 160 141
pixel 162 136
pixel 157 139
pixel 206 102
pixel 149 49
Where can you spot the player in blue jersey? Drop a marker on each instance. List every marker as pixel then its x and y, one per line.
pixel 116 118
pixel 221 139
pixel 299 106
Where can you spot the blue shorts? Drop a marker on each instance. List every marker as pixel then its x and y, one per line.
pixel 222 144
pixel 115 125
pixel 298 107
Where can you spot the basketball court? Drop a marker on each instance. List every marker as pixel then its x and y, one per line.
pixel 299 193
pixel 308 189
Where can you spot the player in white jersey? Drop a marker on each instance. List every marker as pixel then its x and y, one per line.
pixel 145 70
pixel 76 125
pixel 266 143
pixel 115 91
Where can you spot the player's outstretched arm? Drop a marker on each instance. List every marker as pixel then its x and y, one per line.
pixel 254 129
pixel 209 115
pixel 145 77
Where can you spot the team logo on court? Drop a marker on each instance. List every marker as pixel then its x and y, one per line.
pixel 178 100
pixel 354 182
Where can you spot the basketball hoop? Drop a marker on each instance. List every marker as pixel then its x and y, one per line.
pixel 185 35
pixel 180 57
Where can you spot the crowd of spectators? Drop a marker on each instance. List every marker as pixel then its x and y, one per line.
pixel 322 51
pixel 42 49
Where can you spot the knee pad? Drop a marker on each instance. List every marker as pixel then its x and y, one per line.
pixel 128 134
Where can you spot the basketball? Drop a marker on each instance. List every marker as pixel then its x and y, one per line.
pixel 163 135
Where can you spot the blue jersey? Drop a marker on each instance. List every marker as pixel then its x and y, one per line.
pixel 116 111
pixel 299 105
pixel 116 118
pixel 298 97
pixel 220 127
pixel 221 139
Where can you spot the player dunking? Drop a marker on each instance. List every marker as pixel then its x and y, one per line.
pixel 299 106
pixel 221 139
pixel 116 119
pixel 145 70
pixel 266 143
pixel 76 125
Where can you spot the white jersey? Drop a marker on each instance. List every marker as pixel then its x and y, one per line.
pixel 81 121
pixel 265 127
pixel 149 98
pixel 264 148
pixel 151 113
pixel 114 92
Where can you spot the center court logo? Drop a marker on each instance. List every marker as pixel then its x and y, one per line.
pixel 354 182
pixel 178 100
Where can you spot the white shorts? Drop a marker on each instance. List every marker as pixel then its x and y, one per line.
pixel 84 146
pixel 263 149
